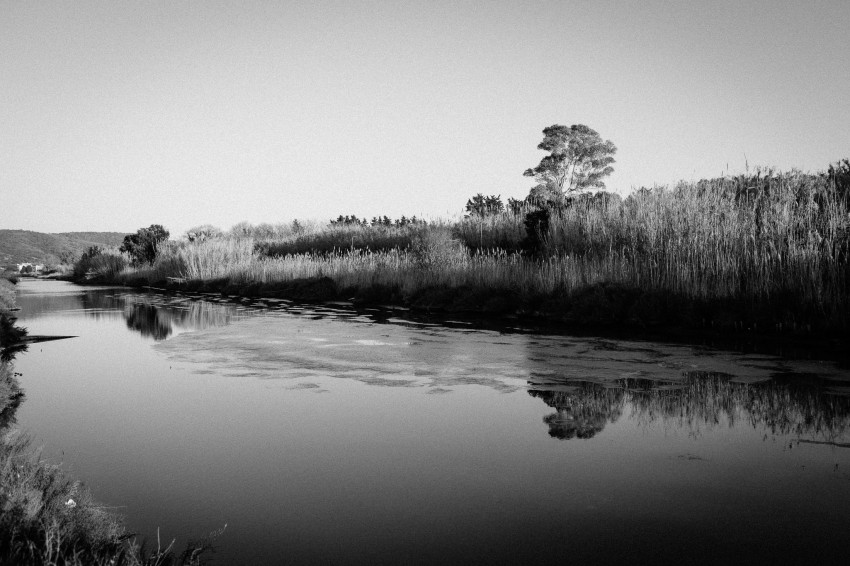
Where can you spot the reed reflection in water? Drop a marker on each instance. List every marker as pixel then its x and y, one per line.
pixel 758 391
pixel 787 404
pixel 589 382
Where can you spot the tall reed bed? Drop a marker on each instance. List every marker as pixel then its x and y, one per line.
pixel 505 231
pixel 777 239
pixel 778 236
pixel 336 238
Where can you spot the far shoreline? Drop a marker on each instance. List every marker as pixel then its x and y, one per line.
pixel 601 311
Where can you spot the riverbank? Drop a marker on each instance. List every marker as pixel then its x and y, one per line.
pixel 602 311
pixel 45 516
pixel 765 254
pixel 600 305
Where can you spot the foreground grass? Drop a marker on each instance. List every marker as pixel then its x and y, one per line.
pixel 48 518
pixel 45 517
pixel 769 251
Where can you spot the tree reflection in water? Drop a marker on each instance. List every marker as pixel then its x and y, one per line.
pixel 581 412
pixel 788 404
pixel 146 319
pixel 155 316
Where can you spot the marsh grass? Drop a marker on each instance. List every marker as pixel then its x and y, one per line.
pixel 777 241
pixel 49 519
pixel 46 517
pixel 505 232
pixel 7 294
pixel 760 237
pixel 339 238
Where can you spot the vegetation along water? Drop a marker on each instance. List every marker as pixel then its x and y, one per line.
pixel 765 253
pixel 324 433
pixel 46 517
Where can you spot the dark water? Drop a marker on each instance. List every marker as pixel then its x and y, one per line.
pixel 324 435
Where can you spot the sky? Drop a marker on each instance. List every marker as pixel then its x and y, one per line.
pixel 116 115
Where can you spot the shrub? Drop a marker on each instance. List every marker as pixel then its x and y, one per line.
pixel 143 246
pixel 479 205
pixel 203 233
pixel 97 264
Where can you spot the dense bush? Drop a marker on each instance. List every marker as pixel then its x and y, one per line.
pixel 203 233
pixel 481 205
pixel 98 264
pixel 143 246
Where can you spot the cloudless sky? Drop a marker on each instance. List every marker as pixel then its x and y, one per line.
pixel 116 115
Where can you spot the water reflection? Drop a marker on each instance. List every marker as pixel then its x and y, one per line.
pixel 330 429
pixel 581 412
pixel 590 383
pixel 146 319
pixel 153 316
pixel 785 404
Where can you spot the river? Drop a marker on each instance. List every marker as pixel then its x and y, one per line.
pixel 325 434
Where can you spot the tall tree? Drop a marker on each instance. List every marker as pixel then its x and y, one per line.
pixel 578 159
pixel 143 246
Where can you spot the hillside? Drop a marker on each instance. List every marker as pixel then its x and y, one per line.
pixel 19 246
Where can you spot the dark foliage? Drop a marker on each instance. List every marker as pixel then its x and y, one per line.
pixel 349 220
pixel 536 227
pixel 143 246
pixel 481 205
pixel 838 176
pixel 578 160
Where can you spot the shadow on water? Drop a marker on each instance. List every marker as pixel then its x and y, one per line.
pixel 785 404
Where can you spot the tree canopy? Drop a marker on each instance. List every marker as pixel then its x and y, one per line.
pixel 481 205
pixel 578 160
pixel 143 246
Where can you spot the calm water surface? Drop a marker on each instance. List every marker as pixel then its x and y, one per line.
pixel 326 435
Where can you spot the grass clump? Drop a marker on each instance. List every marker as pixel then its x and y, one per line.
pixel 46 518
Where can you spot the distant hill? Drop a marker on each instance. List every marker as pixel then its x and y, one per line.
pixel 24 246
